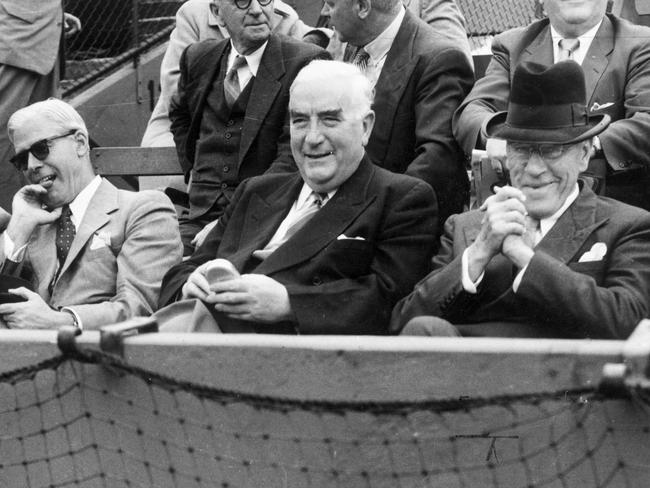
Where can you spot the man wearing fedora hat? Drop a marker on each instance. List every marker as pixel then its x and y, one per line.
pixel 544 256
pixel 615 57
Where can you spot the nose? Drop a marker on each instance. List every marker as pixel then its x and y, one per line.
pixel 536 164
pixel 255 8
pixel 33 163
pixel 313 137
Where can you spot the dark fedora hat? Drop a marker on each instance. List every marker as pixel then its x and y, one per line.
pixel 548 105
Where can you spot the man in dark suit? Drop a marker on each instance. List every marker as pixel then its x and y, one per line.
pixel 615 56
pixel 420 78
pixel 328 250
pixel 229 114
pixel 544 257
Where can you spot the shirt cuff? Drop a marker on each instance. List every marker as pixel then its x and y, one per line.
pixel 518 278
pixel 12 254
pixel 77 319
pixel 468 285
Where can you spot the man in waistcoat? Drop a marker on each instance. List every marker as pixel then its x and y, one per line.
pixel 229 114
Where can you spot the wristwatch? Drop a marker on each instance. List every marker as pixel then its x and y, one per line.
pixel 75 318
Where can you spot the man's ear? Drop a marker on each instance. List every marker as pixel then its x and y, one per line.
pixel 214 8
pixel 363 8
pixel 368 122
pixel 82 144
pixel 586 150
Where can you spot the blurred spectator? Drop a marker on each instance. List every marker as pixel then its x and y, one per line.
pixel 31 32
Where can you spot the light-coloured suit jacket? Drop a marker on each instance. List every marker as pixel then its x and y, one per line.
pixel 589 277
pixel 195 22
pixel 30 32
pixel 125 244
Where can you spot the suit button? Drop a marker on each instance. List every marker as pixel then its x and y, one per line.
pixel 224 185
pixel 228 135
pixel 230 122
pixel 317 281
pixel 226 168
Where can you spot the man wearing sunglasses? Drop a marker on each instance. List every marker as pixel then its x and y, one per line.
pixel 544 257
pixel 229 114
pixel 93 254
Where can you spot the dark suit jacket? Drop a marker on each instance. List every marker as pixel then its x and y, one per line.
pixel 336 285
pixel 265 134
pixel 617 72
pixel 424 79
pixel 558 295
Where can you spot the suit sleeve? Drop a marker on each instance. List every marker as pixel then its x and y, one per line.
pixel 446 78
pixel 609 308
pixel 489 95
pixel 180 115
pixel 151 246
pixel 363 305
pixel 626 140
pixel 441 290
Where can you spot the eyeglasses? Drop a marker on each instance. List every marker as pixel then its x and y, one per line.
pixel 40 150
pixel 545 151
pixel 244 4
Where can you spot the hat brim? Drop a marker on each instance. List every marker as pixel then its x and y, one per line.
pixel 496 127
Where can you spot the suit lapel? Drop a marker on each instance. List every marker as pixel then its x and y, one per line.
pixel 103 202
pixel 330 222
pixel 393 80
pixel 265 89
pixel 597 58
pixel 573 227
pixel 538 51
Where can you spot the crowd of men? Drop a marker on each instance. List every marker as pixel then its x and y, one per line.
pixel 328 190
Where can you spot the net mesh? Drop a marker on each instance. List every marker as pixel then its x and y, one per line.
pixel 100 422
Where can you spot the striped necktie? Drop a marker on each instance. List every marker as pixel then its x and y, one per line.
pixel 361 58
pixel 231 89
pixel 567 48
pixel 300 219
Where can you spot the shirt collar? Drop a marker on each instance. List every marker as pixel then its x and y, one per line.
pixel 547 223
pixel 79 205
pixel 305 193
pixel 585 39
pixel 380 45
pixel 253 59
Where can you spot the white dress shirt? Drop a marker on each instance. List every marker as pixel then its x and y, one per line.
pixel 378 48
pixel 253 60
pixel 581 52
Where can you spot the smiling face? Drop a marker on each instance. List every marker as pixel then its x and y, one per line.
pixel 329 131
pixel 63 173
pixel 546 181
pixel 572 18
pixel 249 28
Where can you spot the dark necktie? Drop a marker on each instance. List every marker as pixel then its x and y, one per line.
pixel 567 48
pixel 317 200
pixel 65 232
pixel 361 58
pixel 231 88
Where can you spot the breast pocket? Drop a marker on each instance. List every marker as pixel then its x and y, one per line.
pixel 595 269
pixel 347 258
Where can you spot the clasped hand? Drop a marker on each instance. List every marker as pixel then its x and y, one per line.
pixel 252 297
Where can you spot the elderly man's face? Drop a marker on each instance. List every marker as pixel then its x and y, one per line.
pixel 343 18
pixel 328 132
pixel 249 28
pixel 574 17
pixel 60 171
pixel 546 173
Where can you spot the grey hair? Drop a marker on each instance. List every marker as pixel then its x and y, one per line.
pixel 52 109
pixel 321 71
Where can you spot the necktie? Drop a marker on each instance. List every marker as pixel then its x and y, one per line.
pixel 533 232
pixel 567 48
pixel 231 89
pixel 65 232
pixel 317 200
pixel 361 58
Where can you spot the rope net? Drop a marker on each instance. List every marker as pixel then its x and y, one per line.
pixel 95 421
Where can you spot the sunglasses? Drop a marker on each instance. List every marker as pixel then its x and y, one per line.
pixel 40 150
pixel 244 4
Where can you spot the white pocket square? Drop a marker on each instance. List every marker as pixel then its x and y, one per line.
pixel 597 106
pixel 100 239
pixel 596 253
pixel 343 236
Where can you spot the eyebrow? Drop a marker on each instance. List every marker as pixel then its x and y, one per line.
pixel 324 113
